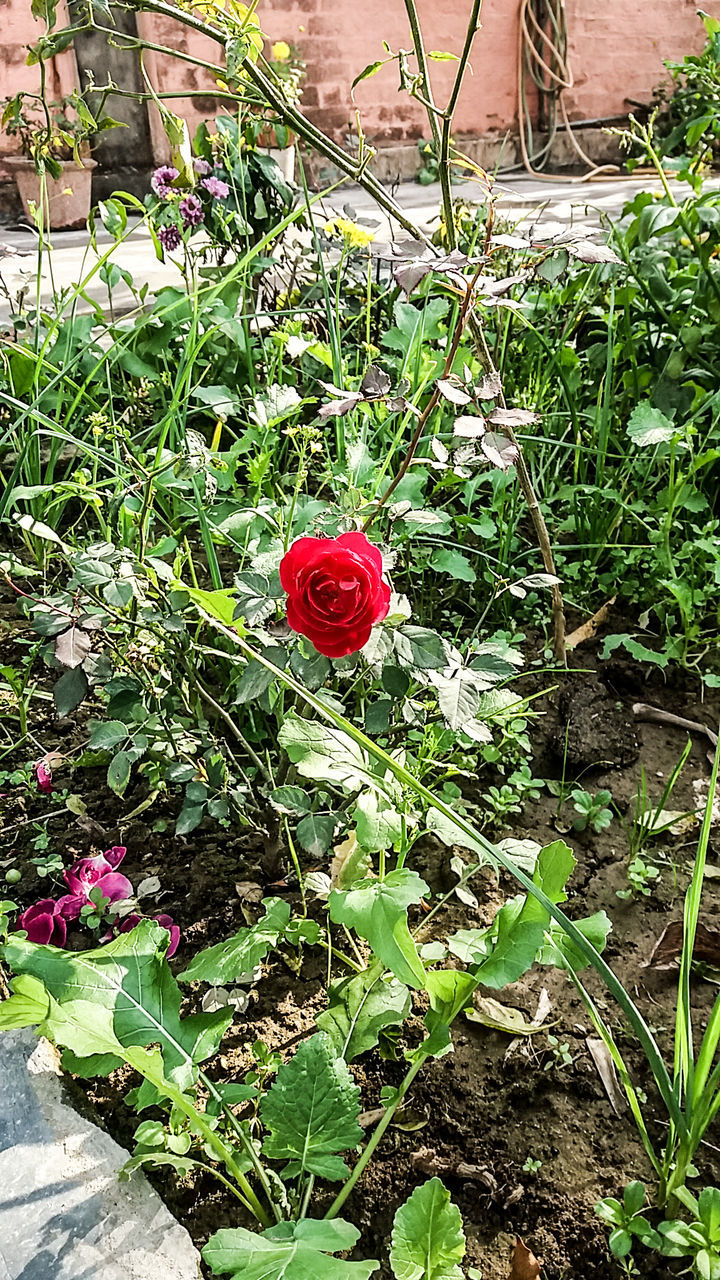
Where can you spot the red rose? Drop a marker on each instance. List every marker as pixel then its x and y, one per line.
pixel 335 591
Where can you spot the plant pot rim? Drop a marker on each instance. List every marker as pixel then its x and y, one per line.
pixel 22 162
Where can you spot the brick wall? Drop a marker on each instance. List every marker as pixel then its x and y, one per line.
pixel 616 49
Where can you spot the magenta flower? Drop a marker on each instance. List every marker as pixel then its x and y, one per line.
pixel 43 923
pixel 43 777
pixel 162 179
pixel 201 166
pixel 191 211
pixel 165 922
pixel 94 873
pixel 170 237
pixel 216 187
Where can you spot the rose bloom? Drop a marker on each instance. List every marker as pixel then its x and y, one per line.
pixel 43 777
pixel 335 591
pixel 94 873
pixel 43 923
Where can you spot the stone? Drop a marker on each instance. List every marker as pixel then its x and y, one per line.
pixel 63 1213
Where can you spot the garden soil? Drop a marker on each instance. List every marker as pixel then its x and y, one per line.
pixel 526 1142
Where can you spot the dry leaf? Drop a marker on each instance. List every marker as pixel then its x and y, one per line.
pixel 249 891
pixel 605 1067
pixel 668 948
pixel 490 1013
pixel 524 1264
pixel 591 627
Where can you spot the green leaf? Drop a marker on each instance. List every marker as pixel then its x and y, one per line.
pixel 289 1251
pixel 71 689
pixel 218 604
pixel 290 800
pixel 421 648
pixel 427 1239
pixel 123 994
pixel 106 734
pixel 315 832
pixel 454 564
pixel 325 754
pixel 226 961
pixel 377 910
pixel 311 1112
pixel 360 1006
pixel 378 824
pixel 26 1007
pixel 648 426
pixel 458 698
pixel 118 774
pixel 561 951
pixel 450 991
pixel 370 70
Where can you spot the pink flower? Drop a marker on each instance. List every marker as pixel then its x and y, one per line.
pixel 191 211
pixel 162 179
pixel 43 777
pixel 170 237
pixel 165 922
pixel 201 166
pixel 43 923
pixel 216 187
pixel 94 873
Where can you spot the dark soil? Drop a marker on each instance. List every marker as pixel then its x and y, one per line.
pixel 477 1115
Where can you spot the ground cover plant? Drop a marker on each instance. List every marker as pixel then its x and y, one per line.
pixel 289 551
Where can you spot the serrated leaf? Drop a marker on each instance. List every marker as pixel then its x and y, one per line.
pixel 377 910
pixel 106 734
pixel 72 647
pixel 118 774
pixel 226 961
pixel 458 698
pixel 122 994
pixel 311 1112
pixel 419 647
pixel 428 1242
pixel 290 800
pixel 70 690
pixel 288 1251
pixel 360 1006
pixel 324 753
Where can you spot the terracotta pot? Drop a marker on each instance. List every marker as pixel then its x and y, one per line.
pixel 69 196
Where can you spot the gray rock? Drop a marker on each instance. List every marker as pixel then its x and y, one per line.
pixel 63 1213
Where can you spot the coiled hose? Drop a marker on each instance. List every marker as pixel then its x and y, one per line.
pixel 544 64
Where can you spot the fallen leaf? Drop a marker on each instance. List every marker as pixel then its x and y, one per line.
pixel 524 1264
pixel 499 1017
pixel 435 1165
pixel 605 1067
pixel 249 891
pixel 668 948
pixel 590 628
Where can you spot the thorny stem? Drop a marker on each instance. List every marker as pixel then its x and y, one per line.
pixel 432 402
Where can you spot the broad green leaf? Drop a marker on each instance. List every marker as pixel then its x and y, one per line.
pixel 226 961
pixel 26 1007
pixel 560 950
pixel 648 426
pixel 311 1112
pixel 325 754
pixel 121 994
pixel 458 698
pixel 118 774
pixel 454 564
pixel 421 648
pixel 377 910
pixel 315 832
pixel 378 824
pixel 289 1251
pixel 218 604
pixel 360 1006
pixel 450 991
pixel 428 1242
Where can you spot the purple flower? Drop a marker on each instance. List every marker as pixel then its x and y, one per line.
pixel 201 167
pixel 191 211
pixel 162 179
pixel 94 873
pixel 170 237
pixel 43 776
pixel 216 187
pixel 43 923
pixel 165 922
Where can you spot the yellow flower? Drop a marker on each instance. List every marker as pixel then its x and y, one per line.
pixel 280 51
pixel 354 236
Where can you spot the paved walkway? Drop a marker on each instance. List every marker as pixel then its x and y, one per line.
pixel 71 258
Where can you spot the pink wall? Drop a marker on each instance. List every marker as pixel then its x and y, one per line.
pixel 616 49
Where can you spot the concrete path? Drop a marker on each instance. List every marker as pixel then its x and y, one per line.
pixel 71 259
pixel 63 1213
